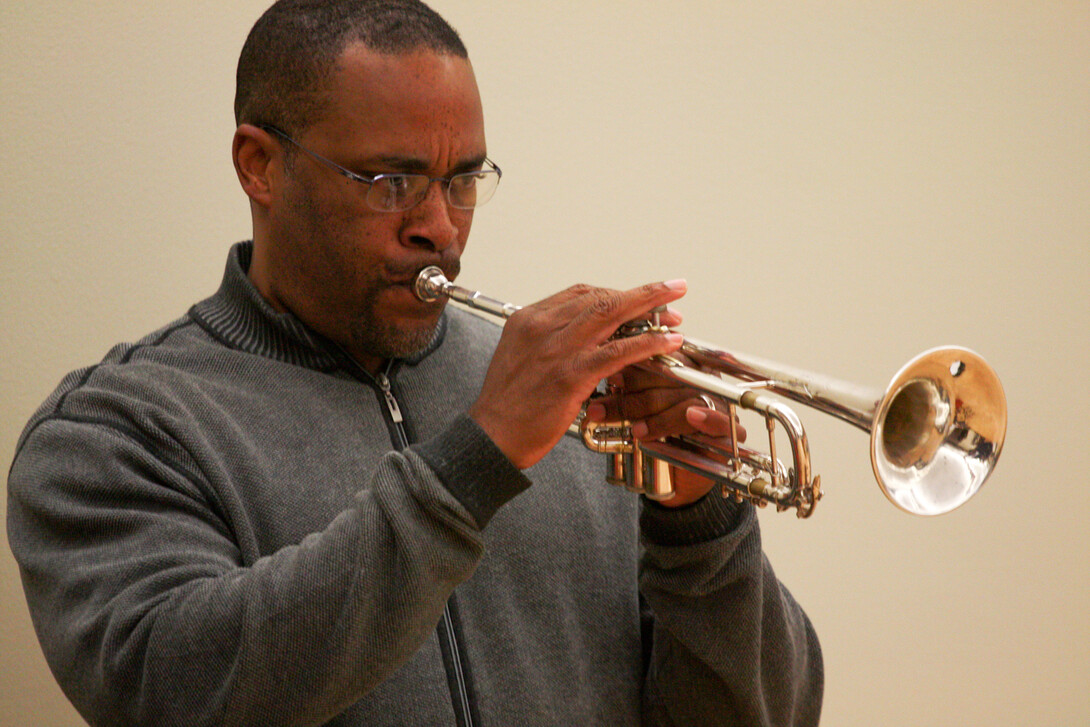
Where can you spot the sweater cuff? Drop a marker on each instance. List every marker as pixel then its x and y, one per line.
pixel 710 517
pixel 472 468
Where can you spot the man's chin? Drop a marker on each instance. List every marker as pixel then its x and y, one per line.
pixel 386 340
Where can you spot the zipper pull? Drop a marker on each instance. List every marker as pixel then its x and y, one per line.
pixel 391 402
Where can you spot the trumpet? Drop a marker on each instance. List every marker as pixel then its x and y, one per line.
pixel 936 431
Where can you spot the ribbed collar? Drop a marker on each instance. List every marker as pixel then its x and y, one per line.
pixel 239 317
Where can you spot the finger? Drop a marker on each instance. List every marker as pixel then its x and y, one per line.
pixel 639 377
pixel 604 311
pixel 633 405
pixel 691 416
pixel 559 309
pixel 583 299
pixel 713 423
pixel 614 355
pixel 688 416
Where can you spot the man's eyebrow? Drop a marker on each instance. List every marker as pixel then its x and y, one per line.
pixel 414 165
pixel 399 163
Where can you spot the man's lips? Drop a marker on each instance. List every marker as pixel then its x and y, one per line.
pixel 405 288
pixel 405 275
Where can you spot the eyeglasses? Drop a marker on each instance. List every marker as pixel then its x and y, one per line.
pixel 399 192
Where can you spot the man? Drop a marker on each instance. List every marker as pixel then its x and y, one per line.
pixel 316 500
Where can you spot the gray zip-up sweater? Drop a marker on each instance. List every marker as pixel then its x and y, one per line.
pixel 230 523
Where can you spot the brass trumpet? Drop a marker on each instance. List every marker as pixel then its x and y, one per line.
pixel 936 430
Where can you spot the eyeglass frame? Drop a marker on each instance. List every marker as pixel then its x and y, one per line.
pixel 370 181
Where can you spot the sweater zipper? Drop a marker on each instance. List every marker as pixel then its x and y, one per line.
pixel 462 712
pixel 384 385
pixel 447 633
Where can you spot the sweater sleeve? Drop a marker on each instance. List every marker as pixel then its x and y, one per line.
pixel 147 614
pixel 728 643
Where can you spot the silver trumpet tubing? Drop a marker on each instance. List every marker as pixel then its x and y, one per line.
pixel 936 430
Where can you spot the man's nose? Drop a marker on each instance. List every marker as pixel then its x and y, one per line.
pixel 430 224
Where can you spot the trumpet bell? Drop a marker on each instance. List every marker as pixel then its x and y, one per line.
pixel 937 433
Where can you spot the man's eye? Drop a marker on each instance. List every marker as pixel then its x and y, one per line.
pixel 464 182
pixel 396 183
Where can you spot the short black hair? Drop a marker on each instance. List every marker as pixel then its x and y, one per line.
pixel 290 53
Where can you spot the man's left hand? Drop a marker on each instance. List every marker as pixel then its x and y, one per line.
pixel 659 407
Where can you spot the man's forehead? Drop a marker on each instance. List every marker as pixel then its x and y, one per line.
pixel 406 112
pixel 364 69
pixel 424 84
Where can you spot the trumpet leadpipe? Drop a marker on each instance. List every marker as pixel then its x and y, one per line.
pixel 432 283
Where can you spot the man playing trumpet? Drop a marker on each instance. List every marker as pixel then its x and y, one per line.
pixel 315 499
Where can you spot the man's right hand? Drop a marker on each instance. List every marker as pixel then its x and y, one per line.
pixel 551 356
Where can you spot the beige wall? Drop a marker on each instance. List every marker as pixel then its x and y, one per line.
pixel 843 184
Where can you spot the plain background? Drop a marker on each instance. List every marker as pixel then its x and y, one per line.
pixel 843 184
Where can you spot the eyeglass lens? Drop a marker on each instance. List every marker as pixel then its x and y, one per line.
pixel 402 191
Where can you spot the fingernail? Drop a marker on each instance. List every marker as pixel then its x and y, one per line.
pixel 696 416
pixel 596 412
pixel 675 338
pixel 639 430
pixel 678 284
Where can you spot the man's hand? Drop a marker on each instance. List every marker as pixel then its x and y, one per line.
pixel 659 407
pixel 551 357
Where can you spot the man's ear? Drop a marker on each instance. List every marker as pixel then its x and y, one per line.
pixel 252 151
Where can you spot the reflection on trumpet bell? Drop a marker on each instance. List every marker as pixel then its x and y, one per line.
pixel 936 430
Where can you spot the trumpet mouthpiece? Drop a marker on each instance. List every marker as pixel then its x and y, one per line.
pixel 429 283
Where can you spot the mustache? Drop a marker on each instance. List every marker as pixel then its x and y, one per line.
pixel 407 270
